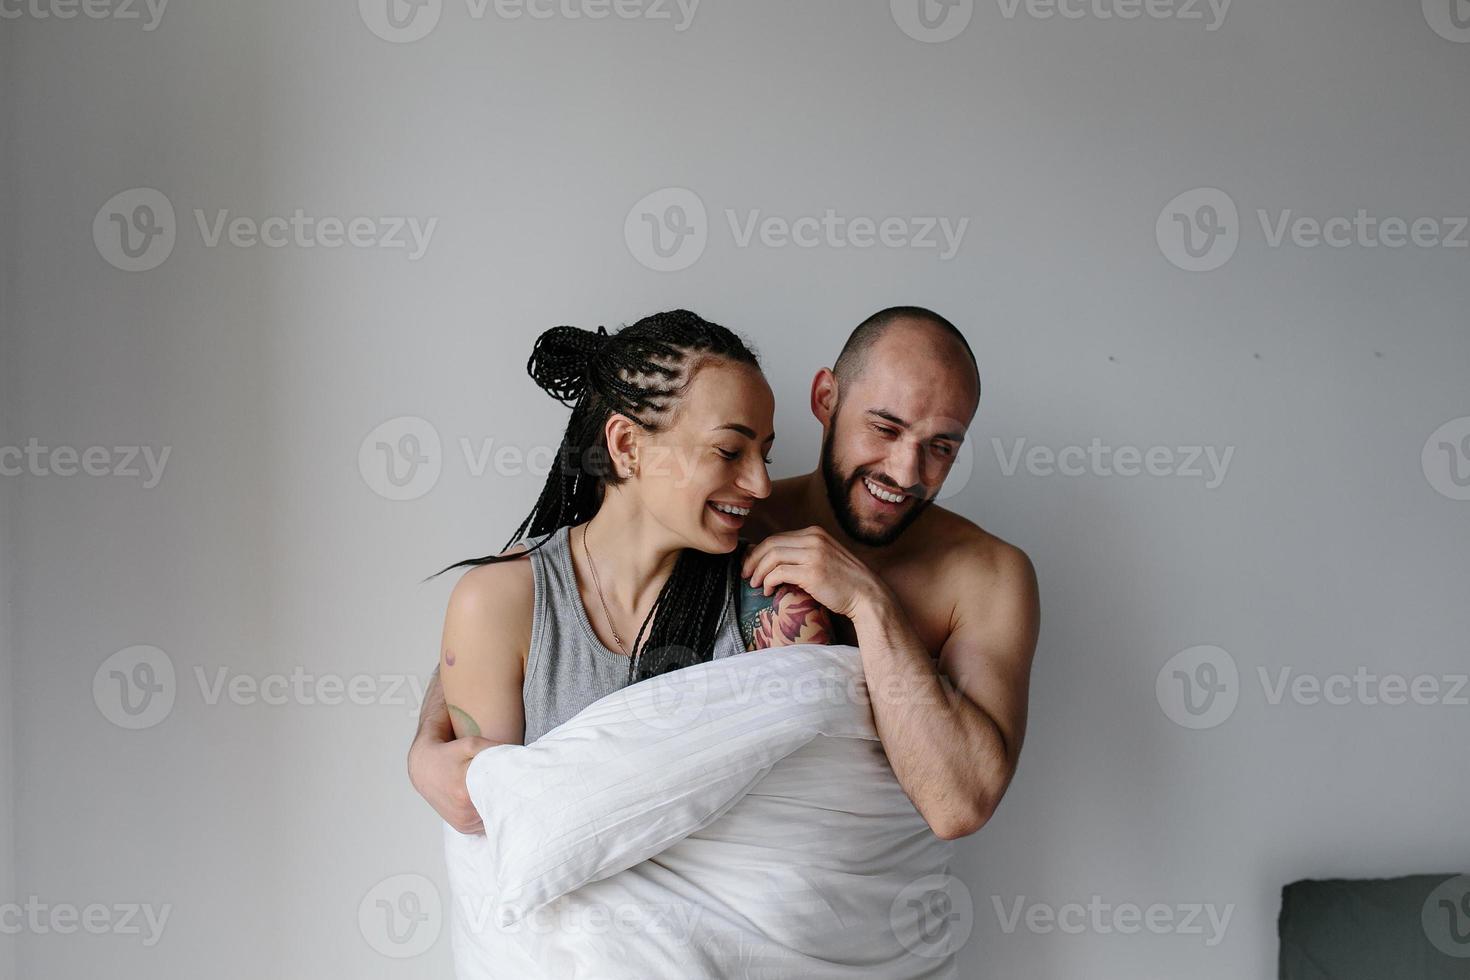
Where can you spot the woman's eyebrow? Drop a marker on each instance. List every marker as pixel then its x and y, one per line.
pixel 744 430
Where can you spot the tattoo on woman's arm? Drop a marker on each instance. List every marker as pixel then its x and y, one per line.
pixel 788 616
pixel 463 723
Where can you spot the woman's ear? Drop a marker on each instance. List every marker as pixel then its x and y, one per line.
pixel 622 435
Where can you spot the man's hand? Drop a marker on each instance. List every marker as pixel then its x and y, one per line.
pixel 812 560
pixel 438 762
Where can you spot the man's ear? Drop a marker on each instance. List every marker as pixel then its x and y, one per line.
pixel 622 435
pixel 824 396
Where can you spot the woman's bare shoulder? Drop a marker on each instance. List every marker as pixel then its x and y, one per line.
pixel 499 594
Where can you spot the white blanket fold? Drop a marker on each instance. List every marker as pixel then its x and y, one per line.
pixel 737 818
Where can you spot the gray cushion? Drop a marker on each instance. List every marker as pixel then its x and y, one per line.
pixel 1411 928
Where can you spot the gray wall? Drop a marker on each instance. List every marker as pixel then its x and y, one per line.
pixel 275 546
pixel 9 376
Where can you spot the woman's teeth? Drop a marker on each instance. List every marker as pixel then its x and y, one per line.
pixel 731 509
pixel 881 494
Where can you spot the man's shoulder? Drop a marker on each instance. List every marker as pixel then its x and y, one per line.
pixel 964 551
pixel 982 579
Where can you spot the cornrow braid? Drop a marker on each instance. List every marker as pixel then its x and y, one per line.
pixel 641 372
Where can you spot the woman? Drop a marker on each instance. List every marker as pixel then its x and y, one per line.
pixel 631 567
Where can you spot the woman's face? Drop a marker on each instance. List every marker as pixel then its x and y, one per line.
pixel 711 460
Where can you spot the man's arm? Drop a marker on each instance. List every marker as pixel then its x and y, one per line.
pixel 953 737
pixel 437 762
pixel 952 734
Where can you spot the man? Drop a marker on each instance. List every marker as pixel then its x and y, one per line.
pixel 945 614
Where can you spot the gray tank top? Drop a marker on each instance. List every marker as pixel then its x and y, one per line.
pixel 568 667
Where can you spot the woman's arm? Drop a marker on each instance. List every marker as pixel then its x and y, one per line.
pixel 486 628
pixel 785 617
pixel 487 631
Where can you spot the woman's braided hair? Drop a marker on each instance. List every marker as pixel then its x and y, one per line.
pixel 640 372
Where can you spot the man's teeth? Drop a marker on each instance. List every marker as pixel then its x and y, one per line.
pixel 881 494
pixel 732 509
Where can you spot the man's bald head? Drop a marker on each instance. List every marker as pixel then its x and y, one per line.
pixel 918 323
pixel 894 411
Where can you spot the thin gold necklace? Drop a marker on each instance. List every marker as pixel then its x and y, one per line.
pixel 637 640
pixel 617 637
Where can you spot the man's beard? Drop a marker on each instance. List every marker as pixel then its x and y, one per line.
pixel 839 496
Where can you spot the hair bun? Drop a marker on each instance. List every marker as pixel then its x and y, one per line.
pixel 561 360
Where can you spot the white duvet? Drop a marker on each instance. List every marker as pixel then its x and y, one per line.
pixel 734 819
